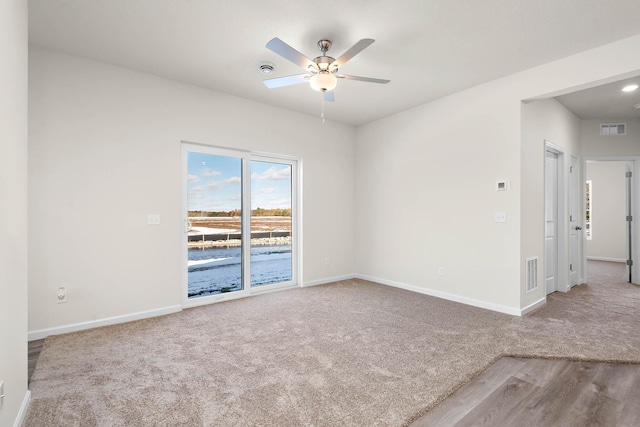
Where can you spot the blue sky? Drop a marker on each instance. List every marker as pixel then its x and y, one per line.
pixel 214 183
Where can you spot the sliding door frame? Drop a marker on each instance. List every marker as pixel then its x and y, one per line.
pixel 270 158
pixel 296 222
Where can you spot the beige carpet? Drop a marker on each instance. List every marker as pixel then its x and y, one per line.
pixel 350 353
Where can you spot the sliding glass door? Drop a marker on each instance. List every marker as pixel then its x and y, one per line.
pixel 214 227
pixel 271 225
pixel 239 223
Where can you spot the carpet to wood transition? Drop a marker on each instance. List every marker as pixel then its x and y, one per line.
pixel 350 353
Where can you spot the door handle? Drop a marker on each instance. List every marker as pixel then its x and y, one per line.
pixel 578 228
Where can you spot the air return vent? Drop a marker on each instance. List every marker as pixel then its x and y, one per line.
pixel 532 274
pixel 613 129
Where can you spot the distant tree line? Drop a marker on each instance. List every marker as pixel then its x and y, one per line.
pixel 271 212
pixel 238 212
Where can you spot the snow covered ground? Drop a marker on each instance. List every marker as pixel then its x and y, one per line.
pixel 219 269
pixel 194 231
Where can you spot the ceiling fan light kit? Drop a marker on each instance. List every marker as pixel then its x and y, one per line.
pixel 322 71
pixel 323 81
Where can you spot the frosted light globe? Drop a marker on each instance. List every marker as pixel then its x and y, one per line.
pixel 323 81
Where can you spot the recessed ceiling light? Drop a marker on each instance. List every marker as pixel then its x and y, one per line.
pixel 629 88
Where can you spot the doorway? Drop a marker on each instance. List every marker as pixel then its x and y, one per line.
pixel 551 222
pixel 610 209
pixel 240 224
pixel 575 223
pixel 560 172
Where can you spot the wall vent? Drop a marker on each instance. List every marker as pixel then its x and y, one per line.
pixel 532 274
pixel 613 129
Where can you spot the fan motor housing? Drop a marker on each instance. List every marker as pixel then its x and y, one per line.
pixel 324 60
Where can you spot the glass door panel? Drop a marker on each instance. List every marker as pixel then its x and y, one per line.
pixel 214 224
pixel 271 223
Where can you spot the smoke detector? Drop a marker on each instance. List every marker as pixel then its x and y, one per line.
pixel 267 68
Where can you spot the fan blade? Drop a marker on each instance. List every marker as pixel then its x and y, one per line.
pixel 355 49
pixel 287 52
pixel 286 81
pixel 328 96
pixel 363 79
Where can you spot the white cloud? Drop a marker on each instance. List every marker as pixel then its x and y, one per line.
pixel 209 172
pixel 214 185
pixel 201 190
pixel 280 203
pixel 268 190
pixel 274 174
pixel 267 203
pixel 233 180
pixel 192 178
pixel 196 193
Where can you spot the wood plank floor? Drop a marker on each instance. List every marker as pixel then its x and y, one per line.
pixel 541 392
pixel 536 392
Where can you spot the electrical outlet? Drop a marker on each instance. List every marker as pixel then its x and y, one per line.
pixel 500 217
pixel 326 261
pixel 62 294
pixel 441 271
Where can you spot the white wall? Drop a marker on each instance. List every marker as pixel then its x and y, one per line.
pixel 426 198
pixel 608 211
pixel 593 144
pixel 105 151
pixel 13 208
pixel 425 183
pixel 543 120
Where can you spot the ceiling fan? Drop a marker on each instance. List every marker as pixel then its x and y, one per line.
pixel 321 72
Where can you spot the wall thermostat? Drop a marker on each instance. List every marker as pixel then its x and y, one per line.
pixel 502 185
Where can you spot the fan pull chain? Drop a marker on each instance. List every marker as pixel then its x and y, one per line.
pixel 322 106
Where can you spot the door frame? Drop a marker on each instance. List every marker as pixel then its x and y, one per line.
pixel 295 219
pixel 563 219
pixel 575 194
pixel 296 223
pixel 635 209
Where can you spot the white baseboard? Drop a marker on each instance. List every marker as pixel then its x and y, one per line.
pixel 530 308
pixel 444 295
pixel 23 409
pixel 602 258
pixel 43 333
pixel 329 280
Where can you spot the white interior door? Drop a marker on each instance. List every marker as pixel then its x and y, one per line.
pixel 575 227
pixel 551 222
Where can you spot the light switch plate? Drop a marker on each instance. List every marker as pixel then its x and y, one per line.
pixel 153 219
pixel 501 217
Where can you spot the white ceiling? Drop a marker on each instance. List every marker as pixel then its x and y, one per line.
pixel 605 102
pixel 427 48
